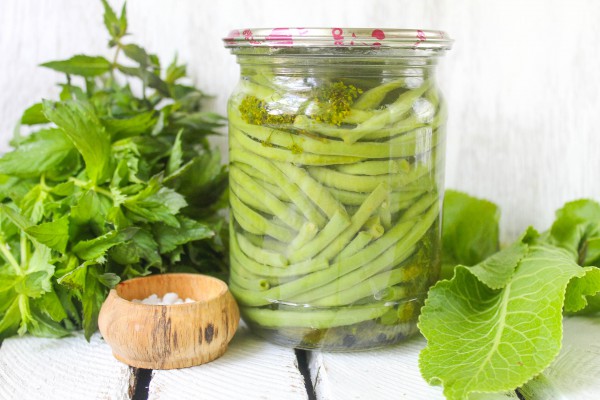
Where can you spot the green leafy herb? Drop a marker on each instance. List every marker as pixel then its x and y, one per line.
pixel 118 183
pixel 497 324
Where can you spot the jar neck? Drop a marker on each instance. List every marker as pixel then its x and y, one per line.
pixel 346 66
pixel 339 61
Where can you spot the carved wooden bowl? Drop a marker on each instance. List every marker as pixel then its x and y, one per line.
pixel 169 336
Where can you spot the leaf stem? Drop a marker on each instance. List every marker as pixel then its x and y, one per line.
pixel 7 255
pixel 25 254
pixel 88 185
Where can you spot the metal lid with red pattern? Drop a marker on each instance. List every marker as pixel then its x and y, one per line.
pixel 339 37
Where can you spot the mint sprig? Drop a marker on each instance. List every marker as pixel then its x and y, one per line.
pixel 117 181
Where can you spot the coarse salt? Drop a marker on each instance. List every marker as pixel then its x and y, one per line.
pixel 168 299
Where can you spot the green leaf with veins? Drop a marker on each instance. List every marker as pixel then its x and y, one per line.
pixel 10 319
pixel 54 234
pixel 34 115
pixel 79 122
pixel 481 339
pixel 96 248
pixel 470 230
pixel 92 298
pixel 576 222
pixel 81 65
pixel 189 230
pixel 44 151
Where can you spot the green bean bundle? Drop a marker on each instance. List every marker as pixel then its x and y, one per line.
pixel 334 191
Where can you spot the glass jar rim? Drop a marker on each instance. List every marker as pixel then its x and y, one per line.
pixel 339 37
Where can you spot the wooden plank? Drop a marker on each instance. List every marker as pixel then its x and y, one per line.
pixel 575 374
pixel 388 373
pixel 61 369
pixel 250 369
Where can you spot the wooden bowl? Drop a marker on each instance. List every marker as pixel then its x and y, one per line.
pixel 173 336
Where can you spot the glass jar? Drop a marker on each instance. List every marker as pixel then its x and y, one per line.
pixel 336 148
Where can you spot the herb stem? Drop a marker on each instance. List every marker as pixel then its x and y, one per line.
pixel 7 255
pixel 117 51
pixel 25 254
pixel 88 185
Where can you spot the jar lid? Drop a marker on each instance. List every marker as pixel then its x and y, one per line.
pixel 339 37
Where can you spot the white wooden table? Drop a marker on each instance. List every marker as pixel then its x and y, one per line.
pixel 70 368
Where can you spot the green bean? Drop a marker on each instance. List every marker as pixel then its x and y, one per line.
pixel 267 243
pixel 315 319
pixel 368 287
pixel 389 114
pixel 374 227
pixel 385 214
pixel 286 155
pixel 306 234
pixel 357 221
pixel 360 276
pixel 274 272
pixel 260 179
pixel 356 199
pixel 262 92
pixel 247 198
pixel 264 139
pixel 372 98
pixel 392 256
pixel 261 255
pixel 272 203
pixel 392 293
pixel 313 189
pixel 260 225
pixel 375 257
pixel 362 239
pixel 383 167
pixel 333 229
pixel 296 195
pixel 364 183
pixel 241 278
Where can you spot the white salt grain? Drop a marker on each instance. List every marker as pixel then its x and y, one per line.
pixel 167 300
pixel 170 298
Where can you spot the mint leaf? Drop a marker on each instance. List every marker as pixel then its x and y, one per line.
pixel 488 340
pixel 139 55
pixel 170 237
pixel 470 230
pixel 79 122
pixel 54 234
pixel 117 27
pixel 176 156
pixel 81 65
pixel 156 204
pixel 94 249
pixel 139 124
pixel 34 115
pixel 43 152
pixel 15 217
pixel 92 298
pixel 51 305
pixel 37 323
pixel 142 246
pixel 10 319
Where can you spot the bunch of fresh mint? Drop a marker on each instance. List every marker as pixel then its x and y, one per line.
pixel 497 323
pixel 118 181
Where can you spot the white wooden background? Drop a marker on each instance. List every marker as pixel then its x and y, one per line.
pixel 522 82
